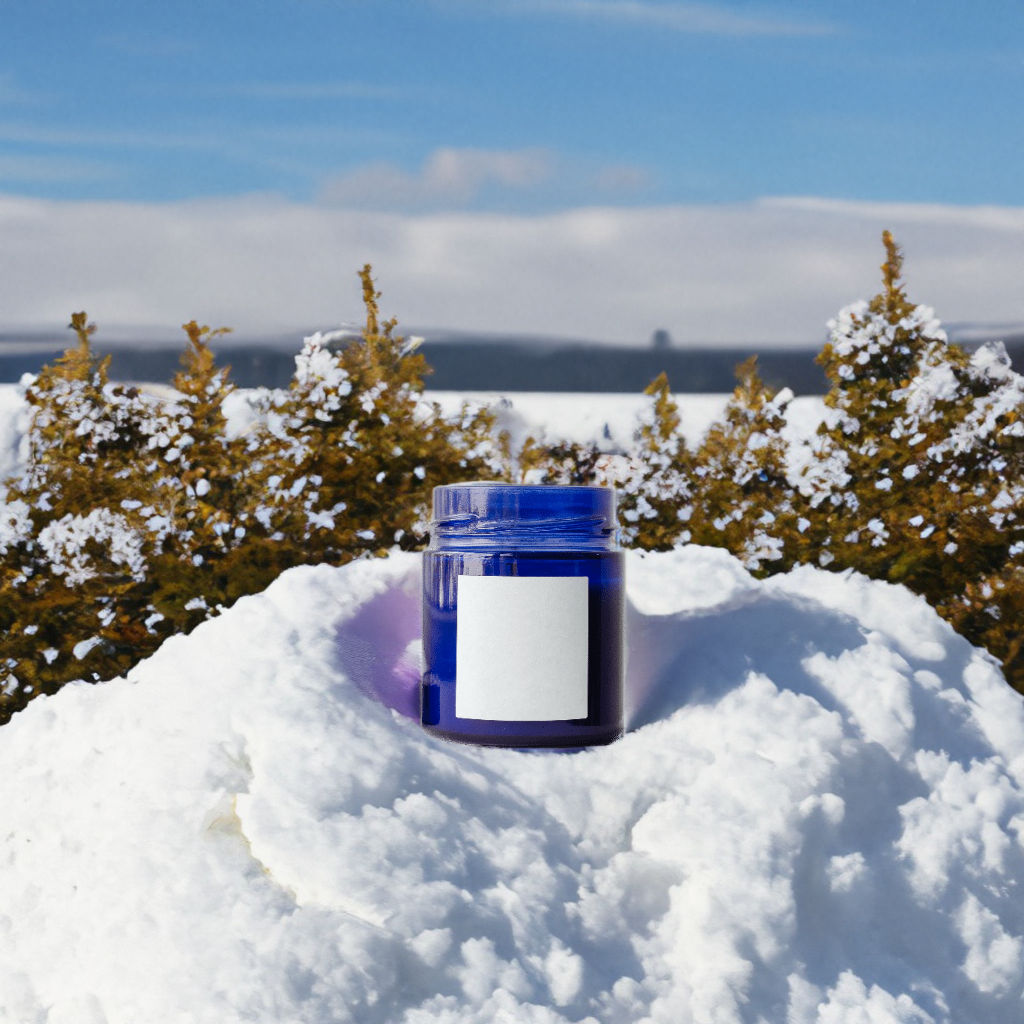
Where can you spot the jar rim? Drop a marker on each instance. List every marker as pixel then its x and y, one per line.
pixel 502 511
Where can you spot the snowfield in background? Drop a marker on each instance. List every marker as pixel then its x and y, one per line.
pixel 609 419
pixel 14 417
pixel 816 816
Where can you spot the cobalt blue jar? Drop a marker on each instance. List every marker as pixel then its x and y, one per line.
pixel 523 616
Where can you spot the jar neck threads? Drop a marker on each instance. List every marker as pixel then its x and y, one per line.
pixel 486 515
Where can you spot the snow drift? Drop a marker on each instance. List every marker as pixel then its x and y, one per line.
pixel 816 816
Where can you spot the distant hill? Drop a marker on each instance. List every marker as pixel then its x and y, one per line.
pixel 575 366
pixel 468 362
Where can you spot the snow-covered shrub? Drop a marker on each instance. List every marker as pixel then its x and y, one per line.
pixel 15 525
pixel 138 516
pixel 730 491
pixel 560 462
pixel 344 459
pixel 742 499
pixel 918 475
pixel 70 545
pixel 107 523
pixel 655 482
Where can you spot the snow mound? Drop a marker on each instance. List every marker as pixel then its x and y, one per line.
pixel 816 816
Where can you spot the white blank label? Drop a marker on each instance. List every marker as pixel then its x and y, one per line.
pixel 521 648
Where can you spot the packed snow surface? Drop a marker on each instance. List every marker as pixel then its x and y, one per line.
pixel 816 815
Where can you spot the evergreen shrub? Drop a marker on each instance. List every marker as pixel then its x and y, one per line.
pixel 916 475
pixel 138 516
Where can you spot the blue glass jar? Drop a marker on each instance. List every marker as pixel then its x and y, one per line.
pixel 523 616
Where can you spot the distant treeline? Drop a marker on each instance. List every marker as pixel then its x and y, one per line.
pixel 466 364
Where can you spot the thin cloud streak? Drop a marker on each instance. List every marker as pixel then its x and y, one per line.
pixel 765 273
pixel 689 18
pixel 19 132
pixel 103 155
pixel 33 168
pixel 994 218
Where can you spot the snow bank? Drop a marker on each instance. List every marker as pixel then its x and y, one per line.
pixel 816 816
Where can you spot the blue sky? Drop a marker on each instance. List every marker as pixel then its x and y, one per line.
pixel 513 104
pixel 595 168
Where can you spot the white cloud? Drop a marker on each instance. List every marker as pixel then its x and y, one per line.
pixel 242 138
pixel 448 176
pixel 691 18
pixel 767 272
pixel 37 134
